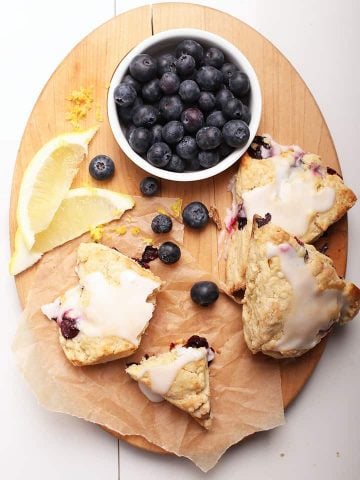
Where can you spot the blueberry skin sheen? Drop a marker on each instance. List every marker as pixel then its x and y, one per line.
pixel 159 155
pixel 124 95
pixel 236 133
pixel 222 97
pixel 145 116
pixel 176 164
pixel 143 67
pixel 216 119
pixel 239 84
pixel 169 83
pixel 195 215
pixel 233 109
pixel 228 70
pixel 192 119
pixel 190 47
pixel 151 91
pixel 207 101
pixel 161 224
pixel 209 158
pixel 189 91
pixel 156 133
pixel 187 148
pixel 140 139
pixel 149 186
pixel 130 129
pixel 185 65
pixel 131 81
pixel 208 138
pixel 166 63
pixel 173 132
pixel 204 293
pixel 101 167
pixel 169 253
pixel 214 57
pixel 170 107
pixel 209 78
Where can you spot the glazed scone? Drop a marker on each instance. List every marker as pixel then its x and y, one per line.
pixel 293 294
pixel 104 317
pixel 303 197
pixel 180 376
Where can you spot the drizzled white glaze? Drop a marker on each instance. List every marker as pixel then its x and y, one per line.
pixel 162 376
pixel 312 311
pixel 291 200
pixel 149 394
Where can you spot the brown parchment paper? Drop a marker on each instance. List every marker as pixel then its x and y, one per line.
pixel 245 389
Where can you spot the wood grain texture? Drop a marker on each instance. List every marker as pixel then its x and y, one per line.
pixel 290 115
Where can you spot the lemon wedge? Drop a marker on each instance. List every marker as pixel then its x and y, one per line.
pixel 47 179
pixel 80 211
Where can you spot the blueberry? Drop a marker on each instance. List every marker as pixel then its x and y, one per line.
pixel 151 91
pixel 239 84
pixel 176 164
pixel 169 83
pixel 190 47
pixel 192 119
pixel 156 133
pixel 140 140
pixel 207 101
pixel 209 78
pixel 101 167
pixel 233 109
pixel 170 107
pixel 209 158
pixel 216 119
pixel 246 116
pixel 68 328
pixel 143 67
pixel 145 115
pixel 222 97
pixel 161 224
pixel 129 130
pixel 124 94
pixel 195 215
pixel 193 164
pixel 189 91
pixel 187 148
pixel 236 133
pixel 125 113
pixel 128 79
pixel 169 252
pixel 224 150
pixel 166 63
pixel 208 138
pixel 173 132
pixel 149 186
pixel 214 57
pixel 228 70
pixel 204 293
pixel 185 65
pixel 159 154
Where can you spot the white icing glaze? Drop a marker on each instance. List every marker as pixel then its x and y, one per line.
pixel 312 311
pixel 149 394
pixel 291 200
pixel 162 376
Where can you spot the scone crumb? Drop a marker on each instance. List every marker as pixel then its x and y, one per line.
pixel 215 217
pixel 135 231
pixel 176 207
pixel 97 233
pixel 121 230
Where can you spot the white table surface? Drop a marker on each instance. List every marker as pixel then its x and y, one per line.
pixel 322 435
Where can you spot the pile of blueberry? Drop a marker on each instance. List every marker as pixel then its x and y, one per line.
pixel 187 111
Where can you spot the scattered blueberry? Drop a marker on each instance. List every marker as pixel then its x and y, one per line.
pixel 140 139
pixel 173 132
pixel 159 154
pixel 145 116
pixel 176 164
pixel 236 133
pixel 214 57
pixel 143 67
pixel 131 81
pixel 68 328
pixel 196 342
pixel 189 91
pixel 204 293
pixel 171 107
pixel 169 252
pixel 166 63
pixel 209 158
pixel 239 83
pixel 161 224
pixel 156 133
pixel 208 138
pixel 233 109
pixel 169 83
pixel 185 65
pixel 149 186
pixel 151 91
pixel 124 95
pixel 222 97
pixel 190 47
pixel 101 167
pixel 195 215
pixel 207 101
pixel 209 78
pixel 187 148
pixel 228 70
pixel 216 119
pixel 192 119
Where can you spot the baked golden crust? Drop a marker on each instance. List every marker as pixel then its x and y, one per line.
pixel 257 173
pixel 268 300
pixel 190 391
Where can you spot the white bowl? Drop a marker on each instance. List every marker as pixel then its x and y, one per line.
pixel 166 42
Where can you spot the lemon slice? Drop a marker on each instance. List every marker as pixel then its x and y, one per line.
pixel 80 211
pixel 47 180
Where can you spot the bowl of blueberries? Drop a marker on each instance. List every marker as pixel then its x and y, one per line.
pixel 184 104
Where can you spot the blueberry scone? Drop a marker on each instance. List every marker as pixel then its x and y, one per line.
pixel 105 315
pixel 180 376
pixel 293 294
pixel 302 196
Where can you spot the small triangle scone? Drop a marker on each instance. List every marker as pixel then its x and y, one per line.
pixel 104 316
pixel 180 376
pixel 303 196
pixel 293 294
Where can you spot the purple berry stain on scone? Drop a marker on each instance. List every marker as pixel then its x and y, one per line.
pixel 149 254
pixel 68 326
pixel 263 221
pixel 255 150
pixel 331 171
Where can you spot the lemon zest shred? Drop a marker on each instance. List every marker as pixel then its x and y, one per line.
pixel 96 233
pixel 176 207
pixel 98 114
pixel 148 241
pixel 121 230
pixel 81 102
pixel 162 211
pixel 135 231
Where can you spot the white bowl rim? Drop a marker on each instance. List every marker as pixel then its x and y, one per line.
pixel 199 35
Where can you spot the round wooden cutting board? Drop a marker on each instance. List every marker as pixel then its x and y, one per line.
pixel 290 115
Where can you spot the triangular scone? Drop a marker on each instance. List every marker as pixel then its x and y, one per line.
pixel 293 294
pixel 104 317
pixel 181 377
pixel 303 197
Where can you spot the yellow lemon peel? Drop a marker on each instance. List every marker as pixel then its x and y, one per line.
pixel 176 207
pixel 97 233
